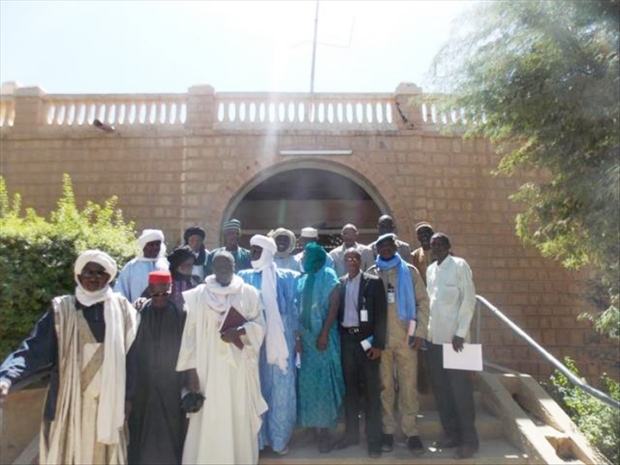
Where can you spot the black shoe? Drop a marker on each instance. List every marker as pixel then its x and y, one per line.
pixel 374 453
pixel 465 452
pixel 447 443
pixel 387 443
pixel 346 441
pixel 414 444
pixel 325 442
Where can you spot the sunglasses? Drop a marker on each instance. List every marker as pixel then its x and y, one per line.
pixel 160 294
pixel 95 274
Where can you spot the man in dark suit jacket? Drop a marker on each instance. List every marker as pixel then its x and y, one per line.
pixel 361 317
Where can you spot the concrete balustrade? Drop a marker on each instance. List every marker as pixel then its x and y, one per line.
pixel 202 107
pixel 432 113
pixel 7 112
pixel 321 111
pixel 78 110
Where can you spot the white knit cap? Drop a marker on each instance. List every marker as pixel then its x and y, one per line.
pixel 310 233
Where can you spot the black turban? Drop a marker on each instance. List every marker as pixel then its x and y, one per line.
pixel 178 256
pixel 193 231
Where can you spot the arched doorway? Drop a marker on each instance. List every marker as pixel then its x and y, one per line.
pixel 308 193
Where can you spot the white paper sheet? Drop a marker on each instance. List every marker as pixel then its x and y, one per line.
pixel 470 358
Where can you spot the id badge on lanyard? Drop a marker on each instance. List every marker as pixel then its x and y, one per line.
pixel 391 295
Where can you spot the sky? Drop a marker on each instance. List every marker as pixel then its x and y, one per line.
pixel 78 47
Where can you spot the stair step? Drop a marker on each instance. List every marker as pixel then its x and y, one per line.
pixel 492 452
pixel 427 401
pixel 488 426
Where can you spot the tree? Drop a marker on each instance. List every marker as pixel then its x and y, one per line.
pixel 544 77
pixel 37 255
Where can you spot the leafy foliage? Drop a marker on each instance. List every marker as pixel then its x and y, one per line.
pixel 598 422
pixel 37 256
pixel 545 75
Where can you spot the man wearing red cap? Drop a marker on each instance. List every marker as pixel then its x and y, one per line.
pixel 157 423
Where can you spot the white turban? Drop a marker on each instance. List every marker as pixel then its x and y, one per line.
pixel 89 298
pixel 150 235
pixel 96 256
pixel 275 342
pixel 267 243
pixel 292 241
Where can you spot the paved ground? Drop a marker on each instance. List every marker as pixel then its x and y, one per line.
pixel 303 450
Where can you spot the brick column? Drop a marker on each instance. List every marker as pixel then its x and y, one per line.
pixel 29 108
pixel 408 112
pixel 201 111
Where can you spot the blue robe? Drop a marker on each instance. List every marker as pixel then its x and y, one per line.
pixel 241 256
pixel 287 262
pixel 278 388
pixel 134 277
pixel 320 381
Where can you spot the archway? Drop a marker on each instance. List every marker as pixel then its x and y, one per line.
pixel 297 194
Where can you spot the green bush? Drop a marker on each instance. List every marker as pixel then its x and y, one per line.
pixel 37 255
pixel 599 422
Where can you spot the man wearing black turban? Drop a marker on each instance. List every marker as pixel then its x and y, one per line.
pixel 194 237
pixel 181 261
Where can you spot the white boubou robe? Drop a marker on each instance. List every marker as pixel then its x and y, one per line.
pixel 225 430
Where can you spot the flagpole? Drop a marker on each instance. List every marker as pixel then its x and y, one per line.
pixel 316 24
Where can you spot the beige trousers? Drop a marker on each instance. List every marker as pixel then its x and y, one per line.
pixel 399 363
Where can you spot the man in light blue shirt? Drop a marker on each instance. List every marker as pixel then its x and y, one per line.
pixel 133 279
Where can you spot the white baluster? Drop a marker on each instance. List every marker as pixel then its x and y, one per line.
pixel 122 112
pixel 183 113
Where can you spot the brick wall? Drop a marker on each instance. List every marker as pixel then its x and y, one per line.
pixel 174 176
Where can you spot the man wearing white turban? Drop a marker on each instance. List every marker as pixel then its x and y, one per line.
pixel 133 279
pixel 277 371
pixel 83 340
pixel 286 242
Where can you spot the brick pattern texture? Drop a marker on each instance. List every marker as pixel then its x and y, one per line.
pixel 171 177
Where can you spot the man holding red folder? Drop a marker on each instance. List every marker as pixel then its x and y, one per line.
pixel 220 347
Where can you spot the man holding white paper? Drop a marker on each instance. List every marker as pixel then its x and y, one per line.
pixel 453 300
pixel 407 324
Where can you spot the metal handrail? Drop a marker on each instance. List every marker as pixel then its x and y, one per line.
pixel 550 358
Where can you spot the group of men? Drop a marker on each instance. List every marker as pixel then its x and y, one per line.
pixel 267 342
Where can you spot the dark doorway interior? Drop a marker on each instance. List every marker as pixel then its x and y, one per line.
pixel 308 197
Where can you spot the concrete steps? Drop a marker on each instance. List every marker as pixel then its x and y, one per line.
pixel 494 449
pixel 492 452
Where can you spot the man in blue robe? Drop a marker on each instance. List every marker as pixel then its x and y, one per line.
pixel 277 369
pixel 133 280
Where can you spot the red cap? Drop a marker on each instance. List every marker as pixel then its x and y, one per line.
pixel 160 277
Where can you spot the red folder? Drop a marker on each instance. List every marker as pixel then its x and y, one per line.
pixel 233 319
